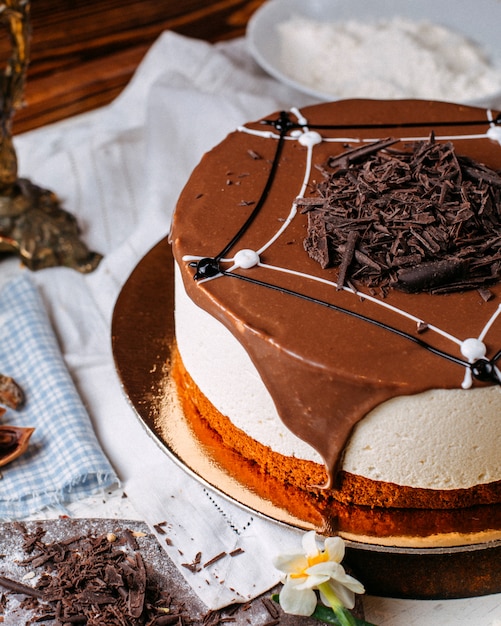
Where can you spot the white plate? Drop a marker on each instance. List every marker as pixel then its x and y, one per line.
pixel 479 20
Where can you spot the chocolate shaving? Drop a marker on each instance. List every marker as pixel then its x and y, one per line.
pixel 215 559
pixel 429 275
pixel 271 607
pixel 353 155
pixel 422 218
pixel 317 242
pixel 194 566
pixel 422 327
pixel 348 252
pixel 131 540
pixel 237 551
pixel 17 587
pixel 159 528
pixel 485 294
pixel 254 155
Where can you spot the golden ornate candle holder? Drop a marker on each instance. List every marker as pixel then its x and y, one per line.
pixel 32 222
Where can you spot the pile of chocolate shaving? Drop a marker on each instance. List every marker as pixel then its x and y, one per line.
pixel 94 580
pixel 75 571
pixel 420 218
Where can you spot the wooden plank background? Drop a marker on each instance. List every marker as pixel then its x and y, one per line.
pixel 83 52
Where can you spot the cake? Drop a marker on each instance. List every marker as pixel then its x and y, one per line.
pixel 336 311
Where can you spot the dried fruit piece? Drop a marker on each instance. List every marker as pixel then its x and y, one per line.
pixel 11 393
pixel 13 442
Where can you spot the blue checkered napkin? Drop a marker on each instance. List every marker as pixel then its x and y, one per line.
pixel 64 461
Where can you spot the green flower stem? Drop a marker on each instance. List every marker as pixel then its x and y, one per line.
pixel 345 617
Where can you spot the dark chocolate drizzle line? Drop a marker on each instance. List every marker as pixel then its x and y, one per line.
pixel 482 369
pixel 484 122
pixel 209 267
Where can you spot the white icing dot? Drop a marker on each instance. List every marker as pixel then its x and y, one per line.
pixel 494 133
pixel 310 138
pixel 473 349
pixel 246 258
pixel 296 133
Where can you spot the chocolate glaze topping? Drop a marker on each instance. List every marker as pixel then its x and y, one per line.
pixel 327 350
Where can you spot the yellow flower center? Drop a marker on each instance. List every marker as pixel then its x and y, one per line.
pixel 320 557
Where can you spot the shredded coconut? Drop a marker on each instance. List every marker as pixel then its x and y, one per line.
pixel 396 58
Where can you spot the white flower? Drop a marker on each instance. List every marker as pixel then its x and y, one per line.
pixel 316 569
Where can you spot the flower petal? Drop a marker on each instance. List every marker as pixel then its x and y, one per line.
pixel 325 568
pixel 311 582
pixel 291 563
pixel 345 579
pixel 345 595
pixel 353 584
pixel 309 543
pixel 335 548
pixel 296 601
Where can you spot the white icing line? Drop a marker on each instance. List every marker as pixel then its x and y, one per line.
pixel 284 227
pixel 266 134
pixel 301 119
pixel 368 297
pixel 490 323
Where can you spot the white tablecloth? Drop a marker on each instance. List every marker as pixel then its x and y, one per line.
pixel 120 170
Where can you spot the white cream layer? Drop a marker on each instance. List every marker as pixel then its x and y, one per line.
pixel 440 439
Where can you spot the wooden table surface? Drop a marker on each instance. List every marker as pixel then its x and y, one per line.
pixel 83 52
